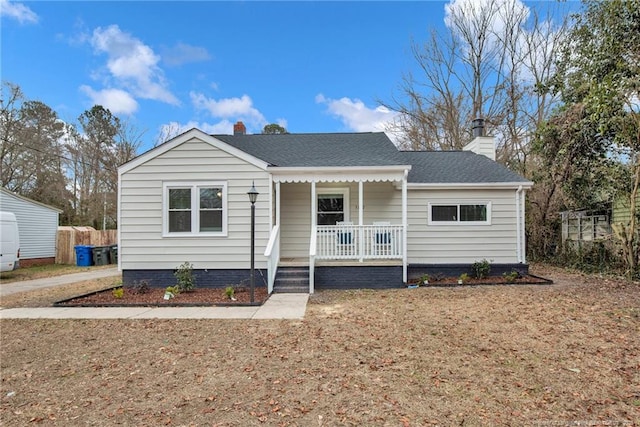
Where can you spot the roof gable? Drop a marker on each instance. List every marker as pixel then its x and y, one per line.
pixel 185 137
pixel 8 193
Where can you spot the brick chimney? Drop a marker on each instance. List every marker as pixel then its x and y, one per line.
pixel 239 129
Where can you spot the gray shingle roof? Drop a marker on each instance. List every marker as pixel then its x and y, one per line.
pixel 318 149
pixel 434 167
pixel 370 149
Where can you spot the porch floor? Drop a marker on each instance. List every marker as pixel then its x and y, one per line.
pixel 304 262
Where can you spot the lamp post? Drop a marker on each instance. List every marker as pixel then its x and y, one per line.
pixel 253 196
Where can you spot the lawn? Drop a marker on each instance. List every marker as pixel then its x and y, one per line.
pixel 46 270
pixel 472 356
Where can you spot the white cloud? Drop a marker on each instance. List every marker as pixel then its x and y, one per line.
pixel 183 53
pixel 358 117
pixel 170 130
pixel 231 108
pixel 495 13
pixel 132 64
pixel 18 11
pixel 116 100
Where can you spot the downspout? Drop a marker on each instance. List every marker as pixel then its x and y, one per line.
pixel 523 249
pixel 518 226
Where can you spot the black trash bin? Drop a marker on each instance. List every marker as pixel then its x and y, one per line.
pixel 101 255
pixel 113 254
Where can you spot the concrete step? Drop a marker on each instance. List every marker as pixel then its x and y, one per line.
pixel 292 280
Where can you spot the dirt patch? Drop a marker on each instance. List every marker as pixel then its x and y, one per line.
pixel 564 354
pixel 155 297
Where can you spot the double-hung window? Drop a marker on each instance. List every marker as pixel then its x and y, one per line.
pixel 473 213
pixel 192 209
pixel 333 206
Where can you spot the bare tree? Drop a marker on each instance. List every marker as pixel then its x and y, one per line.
pixel 488 64
pixel 10 126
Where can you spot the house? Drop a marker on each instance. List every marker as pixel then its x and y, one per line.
pixel 336 210
pixel 38 225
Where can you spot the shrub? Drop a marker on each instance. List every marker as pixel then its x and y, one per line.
pixel 511 277
pixel 139 287
pixel 118 293
pixel 464 278
pixel 481 269
pixel 229 292
pixel 185 278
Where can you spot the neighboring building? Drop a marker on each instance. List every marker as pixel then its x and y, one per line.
pixel 342 210
pixel 621 210
pixel 586 226
pixel 38 225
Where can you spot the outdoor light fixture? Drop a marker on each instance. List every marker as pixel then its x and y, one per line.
pixel 253 193
pixel 253 196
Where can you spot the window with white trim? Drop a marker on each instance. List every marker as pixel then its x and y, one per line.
pixel 195 209
pixel 459 213
pixel 333 206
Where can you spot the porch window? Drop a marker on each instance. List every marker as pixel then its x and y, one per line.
pixel 195 209
pixel 333 206
pixel 458 213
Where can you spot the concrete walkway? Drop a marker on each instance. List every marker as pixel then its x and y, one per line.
pixel 278 306
pixel 48 282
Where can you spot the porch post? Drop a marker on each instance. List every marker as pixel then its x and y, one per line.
pixel 314 207
pixel 404 226
pixel 360 220
pixel 314 224
pixel 277 202
pixel 360 203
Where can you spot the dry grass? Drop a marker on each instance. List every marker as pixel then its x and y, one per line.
pixel 473 356
pixel 42 271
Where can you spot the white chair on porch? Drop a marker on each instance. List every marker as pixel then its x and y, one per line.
pixel 345 241
pixel 381 239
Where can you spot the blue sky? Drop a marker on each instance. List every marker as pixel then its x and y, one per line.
pixel 309 66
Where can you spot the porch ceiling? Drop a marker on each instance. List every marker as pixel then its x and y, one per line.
pixel 395 173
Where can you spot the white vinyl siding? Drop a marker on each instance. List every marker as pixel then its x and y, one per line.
pixel 382 202
pixel 460 242
pixel 37 225
pixel 295 218
pixel 142 241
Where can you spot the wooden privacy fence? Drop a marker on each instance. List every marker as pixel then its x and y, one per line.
pixel 69 237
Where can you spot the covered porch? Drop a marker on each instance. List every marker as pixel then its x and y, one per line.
pixel 340 218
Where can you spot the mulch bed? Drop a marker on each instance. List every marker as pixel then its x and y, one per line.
pixel 154 297
pixel 528 279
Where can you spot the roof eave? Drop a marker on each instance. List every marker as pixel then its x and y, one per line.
pixel 339 174
pixel 525 185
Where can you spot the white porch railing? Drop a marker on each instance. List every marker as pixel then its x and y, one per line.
pixel 272 252
pixel 346 241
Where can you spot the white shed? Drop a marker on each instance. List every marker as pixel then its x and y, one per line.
pixel 38 226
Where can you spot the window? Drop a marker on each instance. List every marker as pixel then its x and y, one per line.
pixel 333 206
pixel 195 209
pixel 454 213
